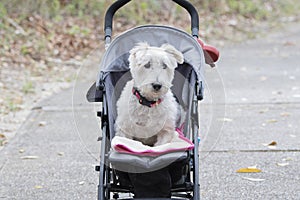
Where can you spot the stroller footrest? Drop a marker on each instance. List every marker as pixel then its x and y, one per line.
pixel 136 164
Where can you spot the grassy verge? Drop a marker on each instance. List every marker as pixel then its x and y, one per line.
pixel 61 27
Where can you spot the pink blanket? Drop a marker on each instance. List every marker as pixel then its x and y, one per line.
pixel 125 145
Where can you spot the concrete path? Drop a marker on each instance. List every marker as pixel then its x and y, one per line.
pixel 252 98
pixel 261 81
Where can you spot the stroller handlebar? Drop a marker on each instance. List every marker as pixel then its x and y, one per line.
pixel 193 13
pixel 120 3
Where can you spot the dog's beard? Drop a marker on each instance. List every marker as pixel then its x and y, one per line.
pixel 150 94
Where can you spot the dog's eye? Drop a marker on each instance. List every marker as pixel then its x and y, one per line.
pixel 164 66
pixel 147 66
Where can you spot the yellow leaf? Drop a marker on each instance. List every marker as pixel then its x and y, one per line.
pixel 38 187
pixel 248 170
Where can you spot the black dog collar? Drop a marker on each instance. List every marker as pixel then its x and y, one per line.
pixel 143 101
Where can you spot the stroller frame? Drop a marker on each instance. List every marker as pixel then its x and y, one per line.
pixel 108 179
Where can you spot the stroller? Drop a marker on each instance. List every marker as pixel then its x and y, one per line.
pixel 176 173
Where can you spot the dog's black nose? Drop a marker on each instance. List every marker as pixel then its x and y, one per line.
pixel 156 86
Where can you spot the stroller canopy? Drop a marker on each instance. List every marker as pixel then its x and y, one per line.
pixel 154 35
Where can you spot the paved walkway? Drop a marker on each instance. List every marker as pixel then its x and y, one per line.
pixel 261 80
pixel 54 153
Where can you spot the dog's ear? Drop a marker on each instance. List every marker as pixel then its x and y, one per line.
pixel 173 51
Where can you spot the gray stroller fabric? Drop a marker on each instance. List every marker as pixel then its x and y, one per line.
pixel 142 164
pixel 114 71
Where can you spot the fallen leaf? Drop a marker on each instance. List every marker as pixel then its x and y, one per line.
pixel 248 170
pixel 254 179
pixel 21 150
pixel 3 140
pixel 272 120
pixel 38 187
pixel 60 153
pixel 81 183
pixel 42 123
pixel 263 111
pixel 287 159
pixel 283 164
pixel 285 114
pixel 271 145
pixel 29 157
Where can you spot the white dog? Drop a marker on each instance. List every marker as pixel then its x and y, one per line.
pixel 147 110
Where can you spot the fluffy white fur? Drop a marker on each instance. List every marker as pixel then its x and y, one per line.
pixel 149 66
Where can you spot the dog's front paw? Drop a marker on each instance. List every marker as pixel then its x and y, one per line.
pixel 165 137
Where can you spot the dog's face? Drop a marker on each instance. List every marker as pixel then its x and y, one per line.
pixel 152 68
